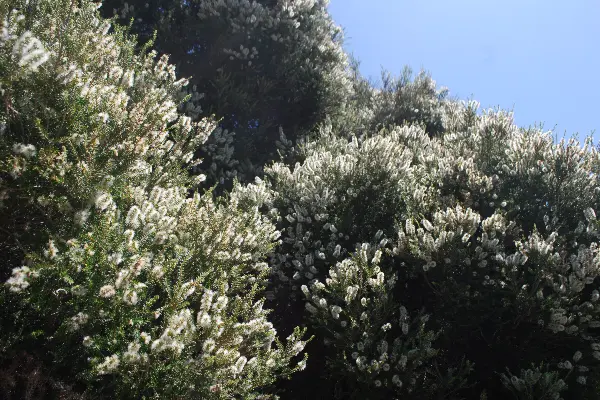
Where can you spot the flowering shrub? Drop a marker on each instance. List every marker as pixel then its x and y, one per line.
pixel 372 336
pixel 256 65
pixel 404 100
pixel 450 254
pixel 129 285
pixel 489 229
pixel 395 101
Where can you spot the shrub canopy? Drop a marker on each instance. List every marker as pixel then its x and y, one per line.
pixel 127 284
pixel 431 249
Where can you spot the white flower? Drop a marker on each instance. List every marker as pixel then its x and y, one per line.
pixel 208 346
pixel 107 291
pixel 305 290
pixel 157 272
pixel 410 228
pixel 27 150
pixel 298 347
pixel 302 365
pixel 18 281
pixel 310 308
pixel 188 288
pixel 132 354
pixel 81 217
pixel 590 214
pixel 351 292
pixel 360 362
pixel 110 364
pixel 336 252
pixel 78 320
pixel 240 363
pixel 335 311
pixel 51 252
pixel 323 303
pixel 207 297
pixel 29 52
pixel 377 257
pixel 146 338
pixel 204 319
pixel 427 225
pixel 115 258
pixel 130 297
pixel 133 217
pixel 103 201
pixel 220 303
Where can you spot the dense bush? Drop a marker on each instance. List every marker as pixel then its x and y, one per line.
pixel 257 65
pixel 127 285
pixel 432 249
pixel 488 229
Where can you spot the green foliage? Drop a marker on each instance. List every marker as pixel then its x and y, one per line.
pixel 477 234
pixel 131 288
pixel 432 250
pixel 257 66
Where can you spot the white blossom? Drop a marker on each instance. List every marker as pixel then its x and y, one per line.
pixel 107 291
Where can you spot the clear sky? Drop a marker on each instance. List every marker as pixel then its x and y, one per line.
pixel 538 57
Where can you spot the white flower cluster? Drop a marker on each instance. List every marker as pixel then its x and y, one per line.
pixel 382 344
pixel 220 149
pixel 20 278
pixel 301 22
pixel 533 382
pixel 27 51
pixel 192 229
pixel 412 101
pixel 319 194
pixel 27 150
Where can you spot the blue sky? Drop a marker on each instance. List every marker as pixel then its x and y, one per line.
pixel 540 58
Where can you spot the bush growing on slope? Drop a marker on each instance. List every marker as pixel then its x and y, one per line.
pixel 455 257
pixel 119 279
pixel 487 228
